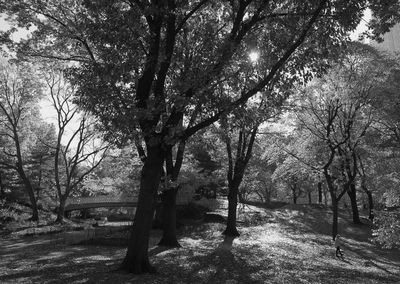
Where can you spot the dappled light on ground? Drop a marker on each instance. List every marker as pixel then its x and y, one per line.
pixel 289 245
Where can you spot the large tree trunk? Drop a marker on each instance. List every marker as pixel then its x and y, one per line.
pixel 309 197
pixel 353 200
pixel 169 238
pixel 319 192
pixel 231 229
pixel 61 209
pixel 137 258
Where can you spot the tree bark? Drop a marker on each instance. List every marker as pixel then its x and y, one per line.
pixel 370 205
pixel 24 178
pixel 353 201
pixel 169 238
pixel 137 258
pixel 61 209
pixel 35 212
pixel 31 194
pixel 309 197
pixel 335 222
pixel 231 229
pixel 2 191
pixel 319 192
pixel 294 194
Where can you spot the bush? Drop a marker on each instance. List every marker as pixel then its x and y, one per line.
pixel 388 231
pixel 7 213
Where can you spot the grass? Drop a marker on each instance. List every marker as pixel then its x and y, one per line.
pixel 287 245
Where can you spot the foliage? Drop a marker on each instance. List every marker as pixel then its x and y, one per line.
pixel 388 228
pixel 117 173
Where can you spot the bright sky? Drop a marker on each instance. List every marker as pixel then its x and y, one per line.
pixel 362 27
pixel 47 110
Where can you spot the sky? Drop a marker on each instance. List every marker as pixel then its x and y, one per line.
pixel 47 110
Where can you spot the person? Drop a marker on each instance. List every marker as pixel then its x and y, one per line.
pixel 338 243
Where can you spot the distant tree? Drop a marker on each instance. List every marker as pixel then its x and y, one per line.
pixel 19 96
pixel 40 159
pixel 337 112
pixel 83 145
pixel 238 159
pixel 3 182
pixel 380 158
pixel 120 169
pixel 258 182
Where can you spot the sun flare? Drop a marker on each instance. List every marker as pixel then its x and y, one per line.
pixel 254 56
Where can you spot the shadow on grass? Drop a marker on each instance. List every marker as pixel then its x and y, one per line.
pixel 222 264
pixel 335 275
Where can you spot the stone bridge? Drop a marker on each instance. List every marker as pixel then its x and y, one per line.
pixel 111 201
pixel 78 203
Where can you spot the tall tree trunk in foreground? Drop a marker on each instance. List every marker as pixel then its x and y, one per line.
pixel 61 209
pixel 137 258
pixel 168 197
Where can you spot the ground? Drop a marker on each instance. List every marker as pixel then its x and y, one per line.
pixel 291 244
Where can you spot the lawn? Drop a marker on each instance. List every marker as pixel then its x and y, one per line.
pixel 286 245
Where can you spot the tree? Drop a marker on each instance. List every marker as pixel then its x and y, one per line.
pixel 121 167
pixel 379 159
pixel 19 95
pixel 337 112
pixel 258 182
pixel 40 159
pixel 133 55
pixel 80 148
pixel 237 164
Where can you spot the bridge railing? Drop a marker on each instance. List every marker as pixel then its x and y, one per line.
pixel 102 199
